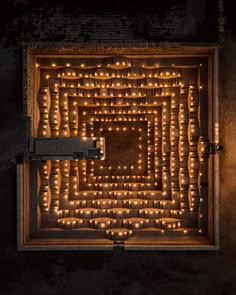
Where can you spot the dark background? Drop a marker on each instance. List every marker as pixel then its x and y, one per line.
pixel 105 273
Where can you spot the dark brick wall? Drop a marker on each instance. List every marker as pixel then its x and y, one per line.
pixel 83 21
pixel 110 273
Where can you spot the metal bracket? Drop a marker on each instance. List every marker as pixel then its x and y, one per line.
pixel 78 155
pixel 119 245
pixel 215 148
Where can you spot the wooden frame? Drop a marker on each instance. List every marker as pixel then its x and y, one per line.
pixel 24 170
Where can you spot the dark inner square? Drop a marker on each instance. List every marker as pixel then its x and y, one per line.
pixel 126 148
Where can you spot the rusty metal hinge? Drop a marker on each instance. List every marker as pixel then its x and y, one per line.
pixel 215 148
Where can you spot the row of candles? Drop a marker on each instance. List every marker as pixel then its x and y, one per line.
pixel 119 212
pixel 104 223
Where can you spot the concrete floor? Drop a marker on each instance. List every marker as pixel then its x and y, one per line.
pixel 111 273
